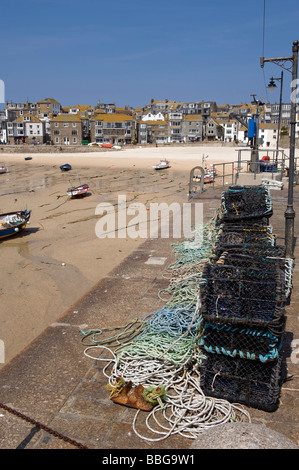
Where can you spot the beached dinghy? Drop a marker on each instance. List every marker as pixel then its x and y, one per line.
pixel 163 165
pixel 107 146
pixel 3 170
pixel 78 191
pixel 12 223
pixel 65 167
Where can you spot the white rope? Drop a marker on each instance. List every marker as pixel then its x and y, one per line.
pixel 188 412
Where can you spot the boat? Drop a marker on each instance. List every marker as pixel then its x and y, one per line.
pixel 163 165
pixel 78 191
pixel 209 176
pixel 12 223
pixel 108 146
pixel 3 170
pixel 65 167
pixel 28 158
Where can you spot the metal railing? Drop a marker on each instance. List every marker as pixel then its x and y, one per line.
pixel 277 162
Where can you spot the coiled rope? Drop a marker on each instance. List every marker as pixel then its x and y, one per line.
pixel 164 349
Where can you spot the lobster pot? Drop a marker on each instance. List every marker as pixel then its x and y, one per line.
pixel 260 267
pixel 233 281
pixel 252 383
pixel 259 225
pixel 255 250
pixel 241 203
pixel 234 237
pixel 246 343
pixel 243 311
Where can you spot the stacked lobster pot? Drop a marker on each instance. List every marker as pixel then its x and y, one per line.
pixel 244 290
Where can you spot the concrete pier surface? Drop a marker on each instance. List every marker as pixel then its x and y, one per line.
pixel 54 397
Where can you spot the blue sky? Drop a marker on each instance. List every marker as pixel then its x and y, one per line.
pixel 128 51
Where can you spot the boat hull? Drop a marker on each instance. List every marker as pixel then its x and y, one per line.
pixel 16 228
pixel 79 191
pixel 65 167
pixel 161 168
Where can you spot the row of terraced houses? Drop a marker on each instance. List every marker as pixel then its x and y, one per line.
pixel 159 122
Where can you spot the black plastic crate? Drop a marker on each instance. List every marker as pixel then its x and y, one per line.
pixel 251 383
pixel 241 341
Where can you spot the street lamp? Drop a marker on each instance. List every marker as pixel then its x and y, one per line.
pixel 271 86
pixel 254 166
pixel 289 213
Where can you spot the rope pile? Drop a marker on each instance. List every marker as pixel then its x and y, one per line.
pixel 160 355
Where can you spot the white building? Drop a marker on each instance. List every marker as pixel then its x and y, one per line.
pixel 268 135
pixel 231 129
pixel 153 117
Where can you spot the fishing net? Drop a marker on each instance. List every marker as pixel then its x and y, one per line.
pixel 246 202
pixel 260 267
pixel 243 342
pixel 252 383
pixel 254 250
pixel 245 311
pixel 230 281
pixel 234 235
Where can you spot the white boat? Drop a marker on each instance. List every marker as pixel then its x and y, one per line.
pixel 163 165
pixel 78 191
pixel 3 169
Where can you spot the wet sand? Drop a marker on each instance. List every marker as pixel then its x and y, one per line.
pixel 59 257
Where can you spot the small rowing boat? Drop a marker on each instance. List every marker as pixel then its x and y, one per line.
pixel 78 191
pixel 65 167
pixel 12 223
pixel 163 165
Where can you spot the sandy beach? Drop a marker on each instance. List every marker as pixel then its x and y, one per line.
pixel 58 258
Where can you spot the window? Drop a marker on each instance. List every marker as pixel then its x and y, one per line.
pixel 57 140
pixel 56 132
pixel 74 132
pixel 74 140
pixel 66 124
pixel 74 124
pixel 56 124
